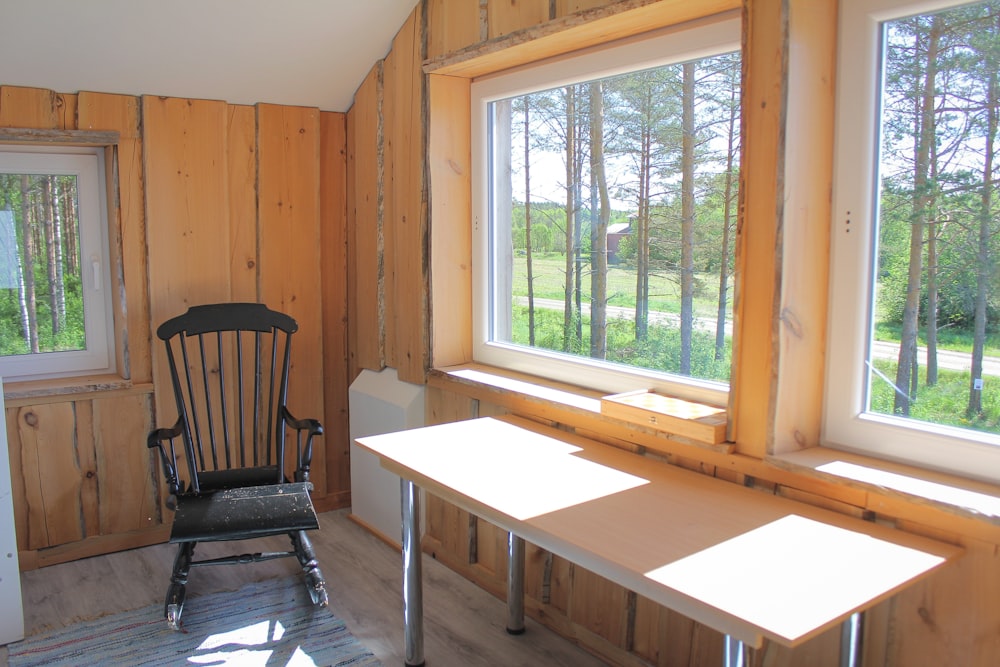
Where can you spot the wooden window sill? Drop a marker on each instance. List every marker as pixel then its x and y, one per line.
pixel 33 392
pixel 544 399
pixel 973 506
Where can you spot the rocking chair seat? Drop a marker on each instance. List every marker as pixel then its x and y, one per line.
pixel 244 512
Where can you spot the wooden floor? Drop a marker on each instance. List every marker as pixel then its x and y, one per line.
pixel 464 625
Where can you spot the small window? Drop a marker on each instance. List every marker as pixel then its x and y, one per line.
pixel 55 306
pixel 914 358
pixel 605 200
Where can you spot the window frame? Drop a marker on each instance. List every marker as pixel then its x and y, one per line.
pixel 698 39
pixel 853 241
pixel 88 163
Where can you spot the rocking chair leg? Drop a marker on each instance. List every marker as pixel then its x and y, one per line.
pixel 173 606
pixel 315 583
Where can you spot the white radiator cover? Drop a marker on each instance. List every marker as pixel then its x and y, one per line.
pixel 380 403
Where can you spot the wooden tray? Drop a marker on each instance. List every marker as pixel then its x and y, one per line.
pixel 705 423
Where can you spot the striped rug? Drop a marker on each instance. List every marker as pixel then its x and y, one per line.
pixel 267 623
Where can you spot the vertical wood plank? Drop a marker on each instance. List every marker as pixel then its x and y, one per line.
pixel 451 25
pixel 805 230
pixel 241 153
pixel 30 108
pixel 186 203
pixel 90 479
pixel 100 111
pixel 25 488
pixel 752 409
pixel 288 169
pixel 387 230
pixel 333 216
pixel 506 16
pixel 47 434
pixel 598 605
pixel 127 471
pixel 449 162
pixel 187 214
pixel 408 222
pixel 366 325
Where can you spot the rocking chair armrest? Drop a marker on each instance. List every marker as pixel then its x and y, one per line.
pixel 312 425
pixel 312 428
pixel 155 440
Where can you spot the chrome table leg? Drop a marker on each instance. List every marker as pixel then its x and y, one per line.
pixel 515 584
pixel 413 597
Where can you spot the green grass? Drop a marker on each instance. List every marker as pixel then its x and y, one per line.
pixel 549 271
pixel 945 403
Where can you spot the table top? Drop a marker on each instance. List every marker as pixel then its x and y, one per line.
pixel 746 563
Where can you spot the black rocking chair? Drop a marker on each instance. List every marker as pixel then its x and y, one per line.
pixel 229 369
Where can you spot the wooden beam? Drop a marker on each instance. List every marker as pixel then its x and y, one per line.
pixel 573 32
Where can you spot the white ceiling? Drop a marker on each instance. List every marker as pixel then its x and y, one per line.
pixel 296 52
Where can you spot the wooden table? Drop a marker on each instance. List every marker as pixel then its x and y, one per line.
pixel 750 565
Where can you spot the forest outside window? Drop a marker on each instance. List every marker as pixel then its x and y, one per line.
pixel 914 357
pixel 55 306
pixel 605 200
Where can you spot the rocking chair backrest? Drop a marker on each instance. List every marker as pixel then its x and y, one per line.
pixel 229 368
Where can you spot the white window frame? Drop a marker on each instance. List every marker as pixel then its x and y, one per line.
pixel 87 164
pixel 853 237
pixel 699 39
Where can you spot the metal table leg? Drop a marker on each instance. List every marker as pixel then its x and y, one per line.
pixel 851 635
pixel 735 653
pixel 515 584
pixel 413 596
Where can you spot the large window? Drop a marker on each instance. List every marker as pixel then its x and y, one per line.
pixel 54 276
pixel 605 201
pixel 914 366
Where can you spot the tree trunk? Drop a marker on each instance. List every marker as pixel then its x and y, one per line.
pixel 687 218
pixel 905 369
pixel 599 250
pixel 720 319
pixel 29 312
pixel 527 224
pixel 983 268
pixel 570 218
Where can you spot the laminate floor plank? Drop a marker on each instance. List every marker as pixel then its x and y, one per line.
pixel 463 624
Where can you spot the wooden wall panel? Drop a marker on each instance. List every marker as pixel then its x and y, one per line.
pixel 334 290
pixel 388 230
pixel 288 141
pixel 187 214
pixel 128 478
pixel 408 220
pixel 53 480
pixel 506 16
pixel 364 123
pixel 564 7
pixel 187 203
pixel 452 25
pixel 242 178
pixel 30 108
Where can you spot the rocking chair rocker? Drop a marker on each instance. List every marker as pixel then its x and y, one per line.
pixel 229 368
